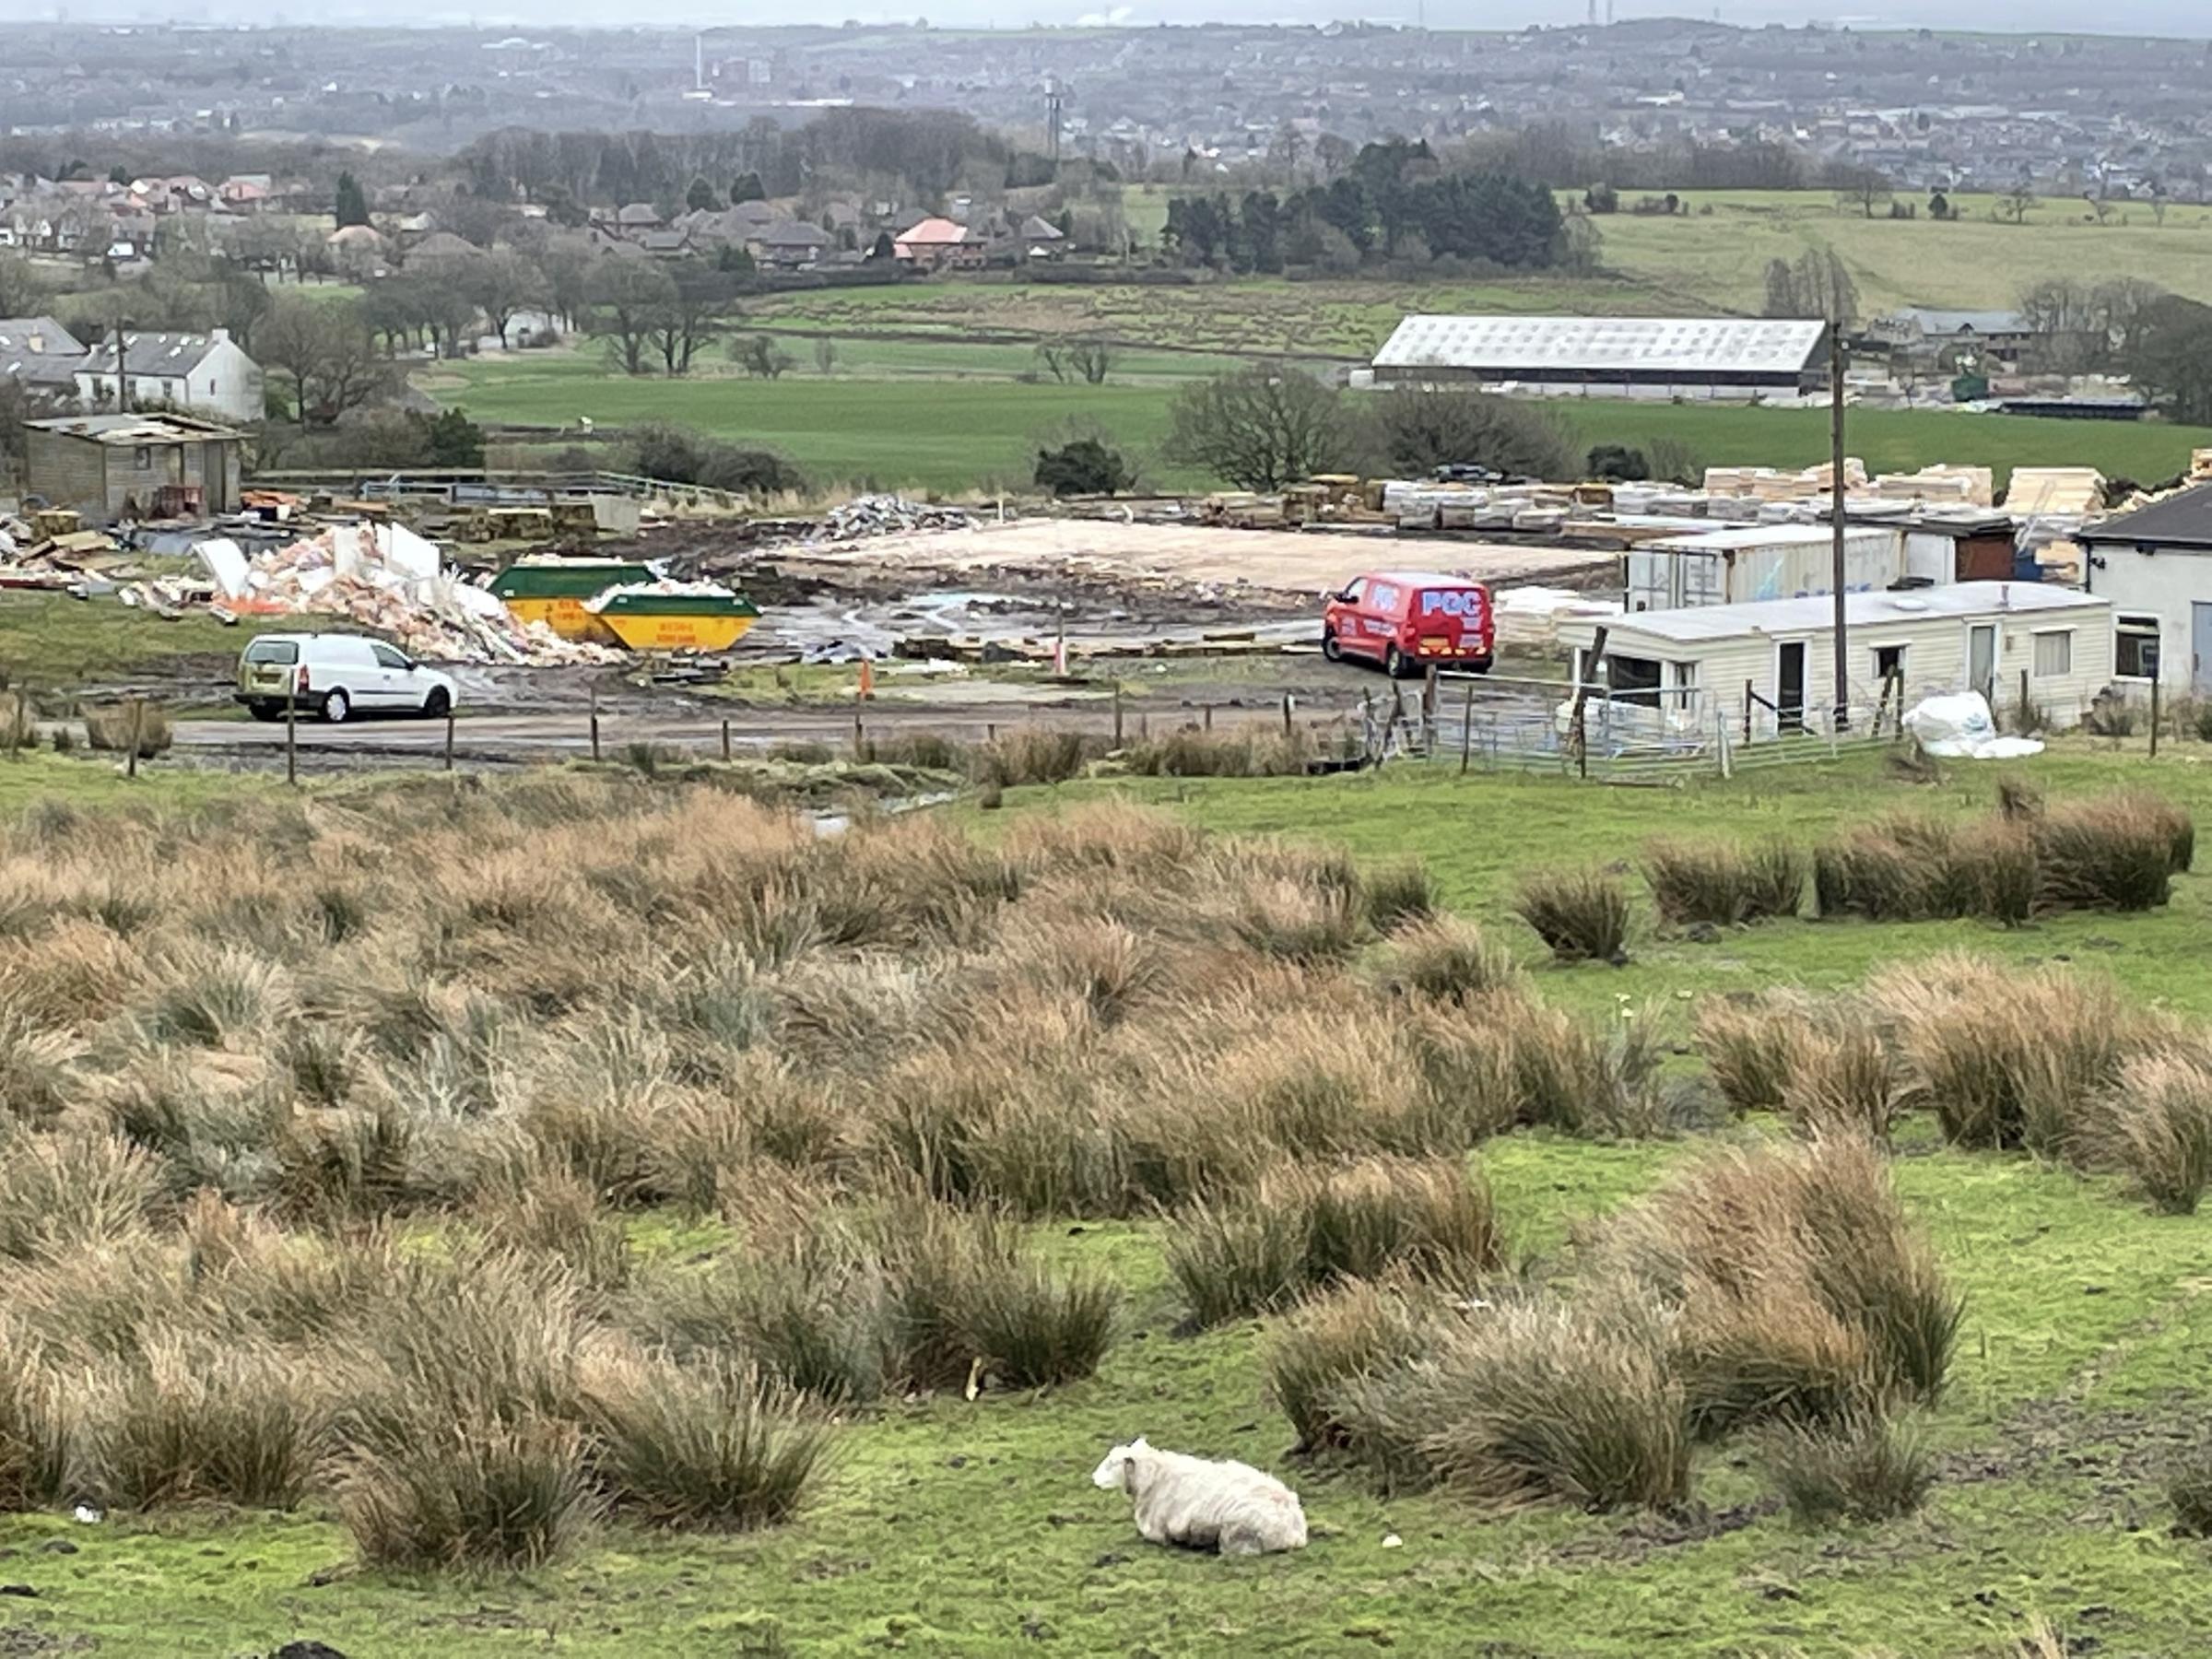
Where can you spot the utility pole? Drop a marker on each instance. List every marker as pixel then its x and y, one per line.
pixel 1835 512
pixel 123 376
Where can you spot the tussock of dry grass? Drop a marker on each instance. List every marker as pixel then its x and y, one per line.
pixel 1723 884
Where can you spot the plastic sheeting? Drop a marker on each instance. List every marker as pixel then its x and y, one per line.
pixel 1957 726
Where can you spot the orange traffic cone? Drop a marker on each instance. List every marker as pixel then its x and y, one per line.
pixel 868 680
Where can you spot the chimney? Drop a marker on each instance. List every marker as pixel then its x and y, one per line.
pixel 220 336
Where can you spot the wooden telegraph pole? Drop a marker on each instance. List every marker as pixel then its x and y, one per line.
pixel 1835 514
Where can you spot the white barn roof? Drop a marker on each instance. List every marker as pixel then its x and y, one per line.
pixel 1686 345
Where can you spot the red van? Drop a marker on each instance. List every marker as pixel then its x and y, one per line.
pixel 1407 619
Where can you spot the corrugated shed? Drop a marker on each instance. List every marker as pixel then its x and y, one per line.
pixel 1593 344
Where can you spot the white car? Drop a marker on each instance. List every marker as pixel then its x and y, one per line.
pixel 337 677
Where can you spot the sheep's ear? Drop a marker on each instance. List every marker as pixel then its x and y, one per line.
pixel 1140 1444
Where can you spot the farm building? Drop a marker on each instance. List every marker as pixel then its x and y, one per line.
pixel 1719 358
pixel 1774 662
pixel 2155 566
pixel 132 466
pixel 1745 563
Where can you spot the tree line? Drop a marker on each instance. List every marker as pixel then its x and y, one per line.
pixel 1396 202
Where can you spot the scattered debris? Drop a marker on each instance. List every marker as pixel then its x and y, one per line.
pixel 873 515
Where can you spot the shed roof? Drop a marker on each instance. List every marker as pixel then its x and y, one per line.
pixel 794 234
pixel 133 428
pixel 1935 322
pixel 1701 345
pixel 1736 539
pixel 1705 624
pixel 2180 521
pixel 935 232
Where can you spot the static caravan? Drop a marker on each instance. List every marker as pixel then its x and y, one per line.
pixel 1774 662
pixel 1749 563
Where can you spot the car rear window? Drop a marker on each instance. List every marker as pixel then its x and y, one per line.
pixel 272 651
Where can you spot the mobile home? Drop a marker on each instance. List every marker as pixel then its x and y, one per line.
pixel 1773 663
pixel 1747 564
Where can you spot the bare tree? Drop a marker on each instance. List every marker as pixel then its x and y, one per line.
pixel 1260 428
pixel 624 302
pixel 1092 358
pixel 2013 205
pixel 825 356
pixel 760 357
pixel 501 284
pixel 328 351
pixel 1865 188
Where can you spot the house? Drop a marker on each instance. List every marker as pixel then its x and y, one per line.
pixel 205 372
pixel 1769 666
pixel 39 353
pixel 1921 331
pixel 938 244
pixel 674 243
pixel 1673 358
pixel 1040 239
pixel 634 219
pixel 791 245
pixel 112 467
pixel 2155 566
pixel 441 248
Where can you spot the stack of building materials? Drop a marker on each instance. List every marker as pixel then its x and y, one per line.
pixel 1529 618
pixel 386 578
pixel 1940 484
pixel 2066 491
pixel 2200 465
pixel 1770 483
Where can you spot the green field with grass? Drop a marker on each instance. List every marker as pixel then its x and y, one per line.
pixel 962 418
pixel 597 1011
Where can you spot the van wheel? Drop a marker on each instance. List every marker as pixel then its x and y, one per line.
pixel 266 710
pixel 1394 663
pixel 336 707
pixel 437 704
pixel 1329 647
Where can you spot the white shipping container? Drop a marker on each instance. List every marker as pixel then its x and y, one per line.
pixel 1747 565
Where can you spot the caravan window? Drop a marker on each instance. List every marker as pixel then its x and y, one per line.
pixel 1888 663
pixel 2135 647
pixel 1632 680
pixel 2054 653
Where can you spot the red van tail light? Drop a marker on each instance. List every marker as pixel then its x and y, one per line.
pixel 303 683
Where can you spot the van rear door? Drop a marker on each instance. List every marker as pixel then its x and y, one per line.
pixel 1451 621
pixel 265 667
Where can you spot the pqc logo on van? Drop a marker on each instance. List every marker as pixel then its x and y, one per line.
pixel 1454 602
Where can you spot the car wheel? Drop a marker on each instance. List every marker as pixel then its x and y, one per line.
pixel 336 706
pixel 1329 646
pixel 438 704
pixel 266 710
pixel 1394 663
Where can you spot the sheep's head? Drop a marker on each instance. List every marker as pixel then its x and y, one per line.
pixel 1114 1470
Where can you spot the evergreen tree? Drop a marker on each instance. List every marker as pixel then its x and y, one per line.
pixel 352 205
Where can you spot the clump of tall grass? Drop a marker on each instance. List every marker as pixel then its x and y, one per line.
pixel 1034 755
pixel 2189 1489
pixel 1248 752
pixel 1398 893
pixel 1303 1228
pixel 113 728
pixel 1446 958
pixel 2117 854
pixel 35 1426
pixel 1868 1466
pixel 1750 1043
pixel 1530 1401
pixel 702 1447
pixel 1723 883
pixel 1799 1288
pixel 1582 915
pixel 199 1419
pixel 1922 869
pixel 60 1191
pixel 2156 1127
pixel 1842 1079
pixel 468 1492
pixel 1356 1331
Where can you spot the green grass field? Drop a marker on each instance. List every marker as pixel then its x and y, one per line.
pixel 956 418
pixel 955 1528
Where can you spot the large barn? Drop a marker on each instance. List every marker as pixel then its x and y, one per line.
pixel 1719 358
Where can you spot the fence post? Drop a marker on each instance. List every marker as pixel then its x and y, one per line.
pixel 1207 715
pixel 1467 729
pixel 1117 714
pixel 130 765
pixel 725 743
pixel 1367 725
pixel 860 737
pixel 1746 710
pixel 594 723
pixel 2023 699
pixel 1429 711
pixel 449 736
pixel 1288 705
pixel 2154 717
pixel 292 737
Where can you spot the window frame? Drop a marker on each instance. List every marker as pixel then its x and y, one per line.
pixel 2035 653
pixel 2138 630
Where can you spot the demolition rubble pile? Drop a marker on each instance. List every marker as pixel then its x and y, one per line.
pixel 387 578
pixel 872 515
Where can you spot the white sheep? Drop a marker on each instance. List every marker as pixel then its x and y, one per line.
pixel 1231 1507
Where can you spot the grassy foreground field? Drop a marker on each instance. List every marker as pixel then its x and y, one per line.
pixel 556 936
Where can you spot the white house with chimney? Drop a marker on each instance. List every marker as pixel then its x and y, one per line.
pixel 206 374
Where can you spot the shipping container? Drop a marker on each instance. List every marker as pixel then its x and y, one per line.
pixel 1754 562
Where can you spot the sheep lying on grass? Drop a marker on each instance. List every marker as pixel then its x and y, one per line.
pixel 1231 1507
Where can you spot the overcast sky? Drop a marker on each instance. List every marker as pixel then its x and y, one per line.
pixel 2115 17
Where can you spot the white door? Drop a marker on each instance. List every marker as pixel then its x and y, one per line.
pixel 1981 660
pixel 395 679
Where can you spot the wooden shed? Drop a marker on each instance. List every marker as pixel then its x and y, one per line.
pixel 1774 662
pixel 112 467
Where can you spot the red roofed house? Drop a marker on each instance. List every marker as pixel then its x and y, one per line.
pixel 936 245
